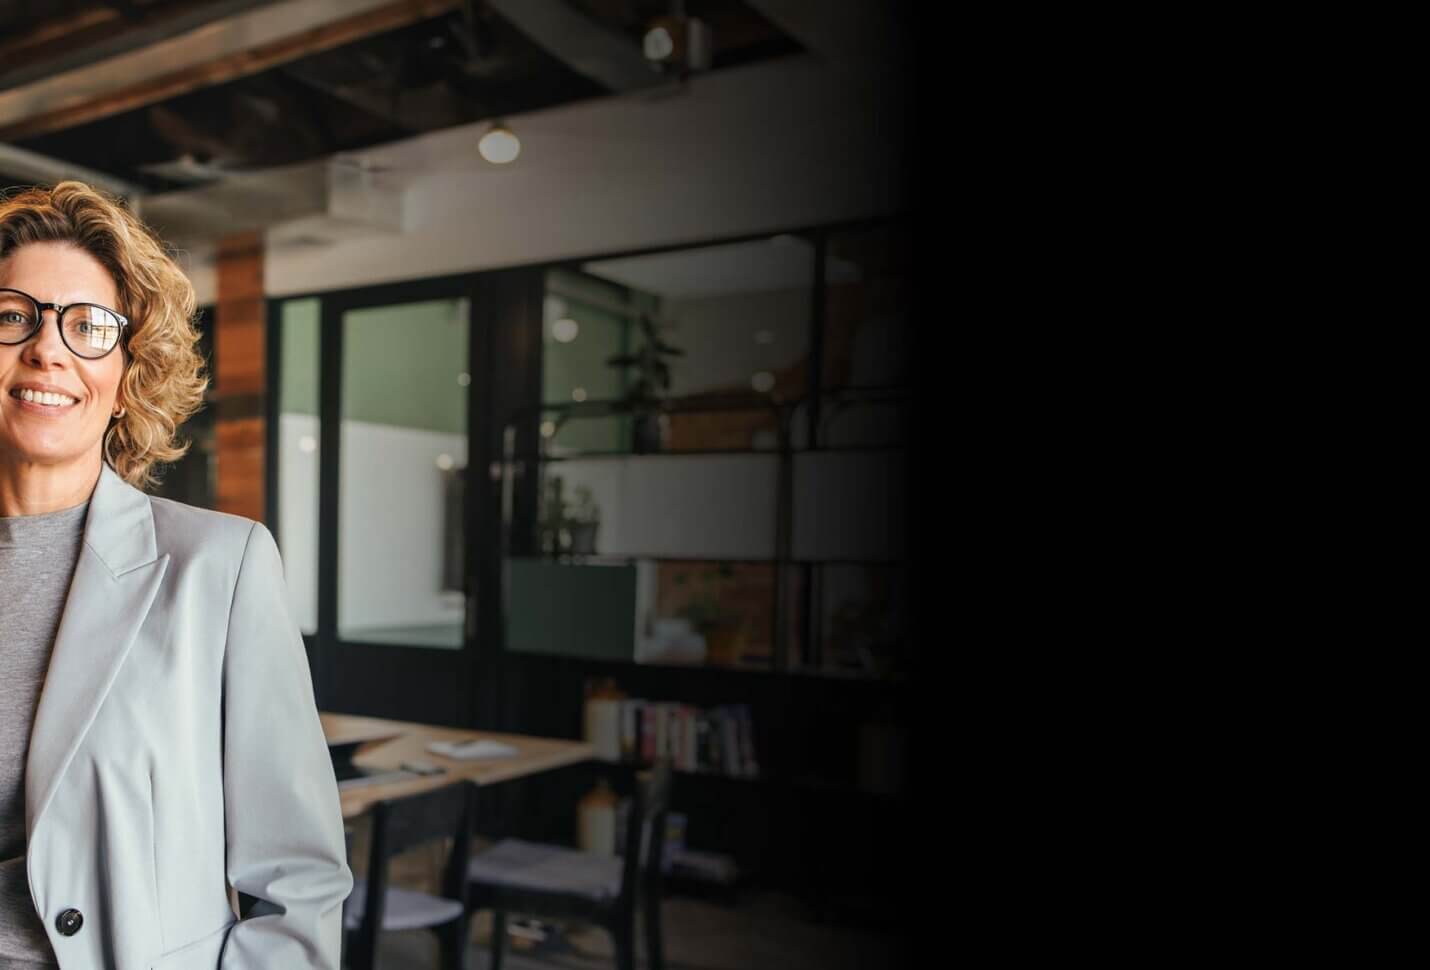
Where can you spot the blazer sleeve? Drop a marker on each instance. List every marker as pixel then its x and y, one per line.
pixel 285 845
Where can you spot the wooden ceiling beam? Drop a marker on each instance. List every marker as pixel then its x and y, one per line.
pixel 52 104
pixel 95 34
pixel 54 34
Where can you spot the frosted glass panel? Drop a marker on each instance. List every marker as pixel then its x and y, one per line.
pixel 298 437
pixel 692 506
pixel 404 449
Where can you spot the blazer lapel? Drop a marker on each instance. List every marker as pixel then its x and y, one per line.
pixel 115 580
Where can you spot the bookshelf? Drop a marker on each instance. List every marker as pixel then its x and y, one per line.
pixel 824 686
pixel 780 519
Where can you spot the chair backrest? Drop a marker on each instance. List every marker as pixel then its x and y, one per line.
pixel 645 829
pixel 399 824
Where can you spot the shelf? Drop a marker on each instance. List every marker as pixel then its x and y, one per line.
pixel 807 784
pixel 681 453
pixel 707 452
pixel 645 766
pixel 617 407
pixel 806 674
pixel 892 680
pixel 597 558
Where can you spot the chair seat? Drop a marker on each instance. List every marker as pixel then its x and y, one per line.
pixel 516 864
pixel 405 909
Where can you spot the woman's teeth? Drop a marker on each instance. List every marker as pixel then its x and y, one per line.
pixel 45 397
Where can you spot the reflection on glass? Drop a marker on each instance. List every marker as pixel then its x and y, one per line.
pixel 672 506
pixel 867 308
pixel 403 463
pixel 716 323
pixel 298 457
pixel 584 326
pixel 723 611
pixel 862 619
pixel 646 360
pixel 718 614
pixel 851 420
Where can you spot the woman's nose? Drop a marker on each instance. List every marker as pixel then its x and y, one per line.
pixel 45 348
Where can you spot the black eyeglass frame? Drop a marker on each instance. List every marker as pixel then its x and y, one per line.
pixel 60 310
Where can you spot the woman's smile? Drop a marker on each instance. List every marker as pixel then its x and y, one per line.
pixel 43 399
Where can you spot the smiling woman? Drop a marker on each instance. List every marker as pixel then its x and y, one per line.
pixel 159 742
pixel 59 402
pixel 112 279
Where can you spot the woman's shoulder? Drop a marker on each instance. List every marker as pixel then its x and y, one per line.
pixel 181 528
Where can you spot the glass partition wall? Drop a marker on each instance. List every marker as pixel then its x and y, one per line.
pixel 372 451
pixel 689 457
pixel 719 458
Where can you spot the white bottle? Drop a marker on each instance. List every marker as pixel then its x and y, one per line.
pixel 596 818
pixel 603 721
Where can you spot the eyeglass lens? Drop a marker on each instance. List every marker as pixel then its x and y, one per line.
pixel 89 331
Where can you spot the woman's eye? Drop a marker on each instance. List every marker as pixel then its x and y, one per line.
pixel 84 327
pixel 13 316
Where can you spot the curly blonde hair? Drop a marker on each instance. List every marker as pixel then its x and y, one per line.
pixel 164 378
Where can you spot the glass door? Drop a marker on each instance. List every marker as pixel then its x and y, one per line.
pixel 402 462
pixel 387 480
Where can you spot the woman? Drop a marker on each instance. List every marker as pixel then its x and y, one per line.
pixel 159 742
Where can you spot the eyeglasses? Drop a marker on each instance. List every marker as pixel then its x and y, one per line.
pixel 88 329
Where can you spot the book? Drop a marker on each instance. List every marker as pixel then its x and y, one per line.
pixel 692 739
pixel 647 729
pixel 749 765
pixel 730 742
pixel 630 732
pixel 702 741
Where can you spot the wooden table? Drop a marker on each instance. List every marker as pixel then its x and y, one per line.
pixel 390 743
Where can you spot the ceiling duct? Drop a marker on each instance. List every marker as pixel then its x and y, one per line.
pixel 305 204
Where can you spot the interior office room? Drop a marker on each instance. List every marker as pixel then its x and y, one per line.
pixel 564 347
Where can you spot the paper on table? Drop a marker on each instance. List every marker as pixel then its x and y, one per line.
pixel 472 750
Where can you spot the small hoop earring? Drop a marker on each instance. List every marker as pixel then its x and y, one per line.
pixel 121 412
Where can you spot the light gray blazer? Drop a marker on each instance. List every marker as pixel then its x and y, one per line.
pixel 177 751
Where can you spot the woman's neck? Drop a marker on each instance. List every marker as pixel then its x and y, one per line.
pixel 27 488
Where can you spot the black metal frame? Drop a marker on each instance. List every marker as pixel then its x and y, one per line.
pixel 367 678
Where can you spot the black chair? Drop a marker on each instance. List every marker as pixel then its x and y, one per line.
pixel 534 879
pixel 399 824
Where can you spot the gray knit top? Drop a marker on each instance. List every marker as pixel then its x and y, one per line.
pixel 37 560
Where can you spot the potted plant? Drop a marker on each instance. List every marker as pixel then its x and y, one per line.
pixel 583 520
pixel 551 526
pixel 567 525
pixel 652 381
pixel 722 627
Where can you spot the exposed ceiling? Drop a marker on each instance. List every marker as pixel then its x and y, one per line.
pixel 160 95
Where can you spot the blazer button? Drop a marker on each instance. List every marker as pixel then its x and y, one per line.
pixel 69 922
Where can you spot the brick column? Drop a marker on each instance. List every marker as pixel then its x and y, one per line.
pixel 240 384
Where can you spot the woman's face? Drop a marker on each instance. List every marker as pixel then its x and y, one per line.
pixel 68 433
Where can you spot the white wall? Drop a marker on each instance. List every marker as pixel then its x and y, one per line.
pixel 773 145
pixel 390 556
pixel 390 522
pixel 298 524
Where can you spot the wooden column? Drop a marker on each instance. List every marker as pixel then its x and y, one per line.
pixel 240 383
